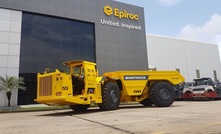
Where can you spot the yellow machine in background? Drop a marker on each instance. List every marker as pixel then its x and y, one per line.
pixel 82 87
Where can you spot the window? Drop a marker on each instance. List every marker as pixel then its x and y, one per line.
pixel 47 42
pixel 178 70
pixel 197 73
pixel 77 70
pixel 215 75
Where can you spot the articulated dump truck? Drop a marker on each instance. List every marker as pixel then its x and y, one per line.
pixel 82 87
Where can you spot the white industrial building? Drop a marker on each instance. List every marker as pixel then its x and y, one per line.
pixel 192 59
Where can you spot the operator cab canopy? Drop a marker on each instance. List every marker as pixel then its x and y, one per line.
pixel 79 66
pixel 77 62
pixel 73 62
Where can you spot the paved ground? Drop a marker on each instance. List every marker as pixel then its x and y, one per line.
pixel 197 117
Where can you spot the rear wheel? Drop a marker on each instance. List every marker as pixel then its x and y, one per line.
pixel 211 95
pixel 110 97
pixel 188 96
pixel 162 94
pixel 146 102
pixel 79 108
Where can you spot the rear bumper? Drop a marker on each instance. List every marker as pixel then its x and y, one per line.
pixel 50 101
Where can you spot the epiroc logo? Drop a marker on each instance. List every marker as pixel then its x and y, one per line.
pixel 108 10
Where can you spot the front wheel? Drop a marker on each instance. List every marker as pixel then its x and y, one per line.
pixel 162 94
pixel 110 97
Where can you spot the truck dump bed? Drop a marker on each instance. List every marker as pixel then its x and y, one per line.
pixel 135 81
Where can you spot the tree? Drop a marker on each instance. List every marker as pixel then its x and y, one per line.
pixel 8 84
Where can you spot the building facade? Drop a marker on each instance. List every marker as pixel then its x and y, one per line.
pixel 36 34
pixel 192 59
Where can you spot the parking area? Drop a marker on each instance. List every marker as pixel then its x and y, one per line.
pixel 192 117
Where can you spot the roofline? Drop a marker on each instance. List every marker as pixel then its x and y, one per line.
pixel 181 39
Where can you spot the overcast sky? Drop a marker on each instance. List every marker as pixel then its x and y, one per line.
pixel 198 20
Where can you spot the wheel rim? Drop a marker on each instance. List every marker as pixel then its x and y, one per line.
pixel 113 96
pixel 164 93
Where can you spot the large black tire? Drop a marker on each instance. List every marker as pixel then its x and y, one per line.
pixel 147 102
pixel 79 108
pixel 162 94
pixel 110 97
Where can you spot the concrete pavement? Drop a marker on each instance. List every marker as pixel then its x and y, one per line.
pixel 203 117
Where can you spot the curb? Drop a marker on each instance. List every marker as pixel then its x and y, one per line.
pixel 29 109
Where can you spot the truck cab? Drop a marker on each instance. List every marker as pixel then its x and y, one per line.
pixel 83 76
pixel 77 86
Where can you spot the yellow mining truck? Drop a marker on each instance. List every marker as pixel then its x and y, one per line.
pixel 82 87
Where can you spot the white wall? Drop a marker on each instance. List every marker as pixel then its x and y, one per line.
pixel 167 53
pixel 10 35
